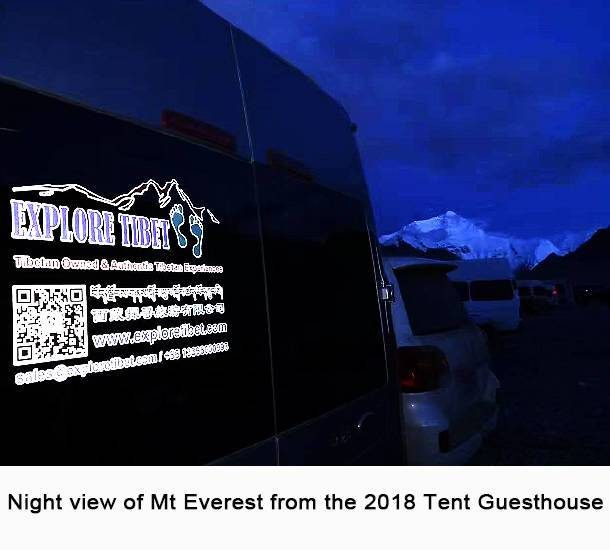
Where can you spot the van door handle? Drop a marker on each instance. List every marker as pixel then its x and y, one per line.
pixel 364 419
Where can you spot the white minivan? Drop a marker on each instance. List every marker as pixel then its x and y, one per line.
pixel 488 291
pixel 448 390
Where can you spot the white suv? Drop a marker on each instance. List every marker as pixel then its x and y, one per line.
pixel 448 390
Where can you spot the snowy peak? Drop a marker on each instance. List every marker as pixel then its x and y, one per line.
pixel 468 240
pixel 445 221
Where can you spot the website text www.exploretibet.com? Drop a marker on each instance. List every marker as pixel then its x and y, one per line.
pixel 150 336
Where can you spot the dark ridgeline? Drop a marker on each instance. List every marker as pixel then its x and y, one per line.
pixel 588 264
pixel 587 269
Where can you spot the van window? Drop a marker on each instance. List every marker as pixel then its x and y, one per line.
pixel 462 289
pixel 541 291
pixel 178 368
pixel 430 299
pixel 501 289
pixel 323 307
pixel 525 291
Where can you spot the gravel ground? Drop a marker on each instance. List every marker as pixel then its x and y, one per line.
pixel 555 400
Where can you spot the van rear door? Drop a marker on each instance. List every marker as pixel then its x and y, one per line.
pixel 333 401
pixel 138 330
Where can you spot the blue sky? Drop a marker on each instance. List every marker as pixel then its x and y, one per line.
pixel 498 110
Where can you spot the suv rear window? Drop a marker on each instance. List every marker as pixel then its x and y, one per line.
pixel 430 299
pixel 462 289
pixel 501 289
pixel 525 291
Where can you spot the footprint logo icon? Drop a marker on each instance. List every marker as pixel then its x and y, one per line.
pixel 176 216
pixel 197 232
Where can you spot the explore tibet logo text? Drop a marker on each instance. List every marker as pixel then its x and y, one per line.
pixel 41 221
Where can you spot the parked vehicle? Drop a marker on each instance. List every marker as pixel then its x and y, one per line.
pixel 537 296
pixel 448 389
pixel 586 294
pixel 487 289
pixel 563 292
pixel 191 262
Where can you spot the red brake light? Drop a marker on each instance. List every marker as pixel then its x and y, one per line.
pixel 421 368
pixel 197 129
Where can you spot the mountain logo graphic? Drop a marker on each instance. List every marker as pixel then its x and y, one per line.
pixel 180 207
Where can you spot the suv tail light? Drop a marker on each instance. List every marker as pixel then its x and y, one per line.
pixel 421 368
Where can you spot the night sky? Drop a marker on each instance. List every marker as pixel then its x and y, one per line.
pixel 499 110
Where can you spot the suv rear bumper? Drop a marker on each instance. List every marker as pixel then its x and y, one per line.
pixel 433 438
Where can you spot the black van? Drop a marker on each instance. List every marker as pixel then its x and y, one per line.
pixel 192 273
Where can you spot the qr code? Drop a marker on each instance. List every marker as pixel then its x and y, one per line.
pixel 49 323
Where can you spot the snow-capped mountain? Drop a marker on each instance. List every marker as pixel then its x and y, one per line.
pixel 469 240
